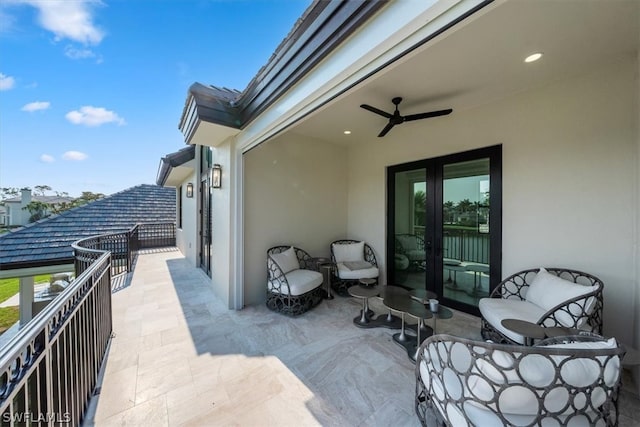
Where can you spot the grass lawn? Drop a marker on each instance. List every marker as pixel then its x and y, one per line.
pixel 8 316
pixel 8 288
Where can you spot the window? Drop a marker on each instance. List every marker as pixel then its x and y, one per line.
pixel 179 197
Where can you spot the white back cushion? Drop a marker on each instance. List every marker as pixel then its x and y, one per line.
pixel 548 290
pixel 287 260
pixel 348 251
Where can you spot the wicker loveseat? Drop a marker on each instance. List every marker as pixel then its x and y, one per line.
pixel 293 287
pixel 561 381
pixel 551 297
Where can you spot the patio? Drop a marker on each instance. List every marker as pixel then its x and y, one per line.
pixel 179 357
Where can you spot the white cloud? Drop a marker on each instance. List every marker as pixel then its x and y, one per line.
pixel 6 82
pixel 69 19
pixel 75 53
pixel 74 156
pixel 93 116
pixel 35 106
pixel 47 158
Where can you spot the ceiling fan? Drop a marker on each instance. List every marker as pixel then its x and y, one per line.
pixel 397 119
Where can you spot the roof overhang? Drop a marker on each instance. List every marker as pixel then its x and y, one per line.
pixel 27 269
pixel 212 115
pixel 176 167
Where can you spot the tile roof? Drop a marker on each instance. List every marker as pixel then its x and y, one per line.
pixel 48 241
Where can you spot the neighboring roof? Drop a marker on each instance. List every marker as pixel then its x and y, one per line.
pixel 173 160
pixel 44 199
pixel 48 241
pixel 322 27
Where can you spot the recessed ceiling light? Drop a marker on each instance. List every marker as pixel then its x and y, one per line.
pixel 347 132
pixel 533 57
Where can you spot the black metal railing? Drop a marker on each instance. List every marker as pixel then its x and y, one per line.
pixel 467 245
pixel 49 370
pixel 124 246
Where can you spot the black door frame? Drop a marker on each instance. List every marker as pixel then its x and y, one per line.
pixel 433 221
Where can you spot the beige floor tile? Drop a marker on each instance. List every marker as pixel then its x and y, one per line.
pixel 180 357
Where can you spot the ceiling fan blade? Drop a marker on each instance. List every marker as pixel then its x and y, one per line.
pixel 377 111
pixel 386 129
pixel 427 115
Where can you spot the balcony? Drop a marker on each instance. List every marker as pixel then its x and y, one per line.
pixel 178 356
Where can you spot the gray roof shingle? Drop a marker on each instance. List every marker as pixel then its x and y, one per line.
pixel 48 241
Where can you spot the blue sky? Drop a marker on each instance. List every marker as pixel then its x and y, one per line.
pixel 91 92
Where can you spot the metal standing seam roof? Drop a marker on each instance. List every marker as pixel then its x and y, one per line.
pixel 48 241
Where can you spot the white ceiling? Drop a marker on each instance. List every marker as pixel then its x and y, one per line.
pixel 481 60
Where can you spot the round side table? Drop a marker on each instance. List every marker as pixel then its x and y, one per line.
pixel 363 293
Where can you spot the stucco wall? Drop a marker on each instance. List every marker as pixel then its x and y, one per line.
pixel 186 235
pixel 569 172
pixel 221 245
pixel 295 194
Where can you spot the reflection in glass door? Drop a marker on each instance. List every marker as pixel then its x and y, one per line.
pixel 465 230
pixel 444 229
pixel 409 248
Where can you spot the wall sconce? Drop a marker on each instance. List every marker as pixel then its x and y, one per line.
pixel 189 190
pixel 217 176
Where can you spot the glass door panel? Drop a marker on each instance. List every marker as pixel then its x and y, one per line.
pixel 409 249
pixel 466 231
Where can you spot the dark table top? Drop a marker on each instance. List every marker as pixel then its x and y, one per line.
pixel 406 304
pixel 359 291
pixel 392 290
pixel 422 295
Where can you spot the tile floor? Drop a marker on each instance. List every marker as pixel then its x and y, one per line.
pixel 179 357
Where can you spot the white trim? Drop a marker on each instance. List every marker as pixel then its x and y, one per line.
pixel 237 229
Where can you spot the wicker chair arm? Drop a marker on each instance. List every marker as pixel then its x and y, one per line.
pixel 304 259
pixel 514 286
pixel 369 256
pixel 577 308
pixel 276 277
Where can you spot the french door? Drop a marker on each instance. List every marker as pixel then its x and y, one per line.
pixel 444 226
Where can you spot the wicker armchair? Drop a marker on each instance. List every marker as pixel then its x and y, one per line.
pixel 293 286
pixel 354 250
pixel 561 381
pixel 512 298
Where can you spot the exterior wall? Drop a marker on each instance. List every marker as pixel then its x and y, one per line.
pixel 186 236
pixel 636 370
pixel 295 193
pixel 569 170
pixel 221 218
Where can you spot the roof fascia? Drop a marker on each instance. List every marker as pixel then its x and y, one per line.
pixel 173 160
pixel 323 27
pixel 390 35
pixel 35 268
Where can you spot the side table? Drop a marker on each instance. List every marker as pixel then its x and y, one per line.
pixel 530 331
pixel 328 267
pixel 364 293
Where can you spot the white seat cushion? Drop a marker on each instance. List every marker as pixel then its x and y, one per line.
pixel 495 310
pixel 408 242
pixel 347 274
pixel 301 281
